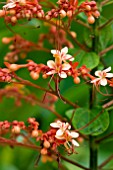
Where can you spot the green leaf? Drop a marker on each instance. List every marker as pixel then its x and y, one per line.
pixel 90 60
pixel 83 116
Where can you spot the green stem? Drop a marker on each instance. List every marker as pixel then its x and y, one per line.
pixel 93 163
pixel 93 153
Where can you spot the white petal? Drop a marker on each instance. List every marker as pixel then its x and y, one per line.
pixel 54 125
pixel 103 82
pixel 67 125
pixel 55 51
pixel 95 80
pixel 59 132
pixel 51 64
pixel 64 50
pixel 59 137
pixel 74 134
pixel 51 72
pixel 75 143
pixel 109 75
pixel 62 74
pixel 98 73
pixel 66 66
pixel 68 57
pixel 107 69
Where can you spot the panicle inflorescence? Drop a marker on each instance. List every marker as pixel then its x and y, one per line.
pixel 15 10
pixel 20 9
pixel 5 75
pixel 62 66
pixel 90 9
pixel 49 141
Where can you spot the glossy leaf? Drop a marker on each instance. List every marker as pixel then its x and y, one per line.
pixel 91 59
pixel 83 116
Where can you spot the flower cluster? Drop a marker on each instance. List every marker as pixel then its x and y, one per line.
pixel 59 134
pixel 57 66
pixel 103 75
pixel 90 9
pixel 63 133
pixel 19 47
pixel 20 9
pixel 60 67
pixel 15 10
pixel 5 75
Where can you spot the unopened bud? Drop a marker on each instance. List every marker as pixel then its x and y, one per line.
pixel 34 133
pixel 69 13
pixel 15 130
pixel 31 119
pixel 69 73
pixel 46 144
pixel 76 80
pixel 2 13
pixel 44 151
pixel 39 15
pixel 22 2
pixel 34 75
pixel 45 76
pixel 47 17
pixel 12 12
pixel 12 47
pixel 13 19
pixel 88 8
pixel 27 15
pixel 6 40
pixel 62 13
pixel 12 67
pixel 91 19
pixel 74 35
pixel 96 14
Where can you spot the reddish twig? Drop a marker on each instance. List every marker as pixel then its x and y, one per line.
pixel 105 162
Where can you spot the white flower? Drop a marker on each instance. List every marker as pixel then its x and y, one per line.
pixel 102 76
pixel 63 54
pixel 60 69
pixel 10 4
pixel 62 127
pixel 73 135
pixel 63 133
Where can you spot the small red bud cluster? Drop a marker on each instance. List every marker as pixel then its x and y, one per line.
pixel 17 126
pixel 13 11
pixel 23 9
pixel 19 48
pixel 48 140
pixel 13 128
pixel 34 69
pixel 66 8
pixel 5 75
pixel 77 72
pixel 91 10
pixel 33 127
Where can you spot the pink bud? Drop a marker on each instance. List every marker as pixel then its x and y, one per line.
pixel 62 13
pixel 91 19
pixel 34 75
pixel 76 80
